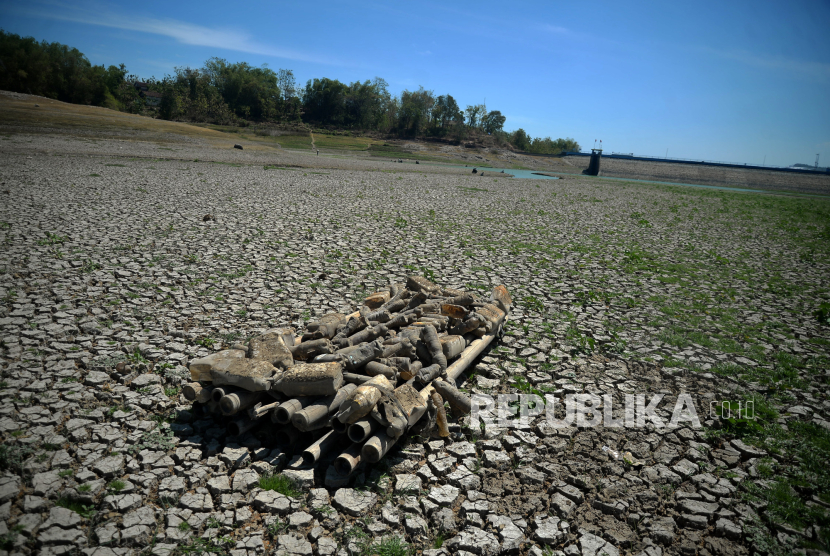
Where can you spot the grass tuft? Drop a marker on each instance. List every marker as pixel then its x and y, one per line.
pixel 84 510
pixel 280 483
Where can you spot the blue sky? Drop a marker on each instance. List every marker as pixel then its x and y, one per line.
pixel 731 81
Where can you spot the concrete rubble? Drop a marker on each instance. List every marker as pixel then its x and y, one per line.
pixel 351 386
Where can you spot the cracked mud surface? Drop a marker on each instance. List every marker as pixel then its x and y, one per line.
pixel 619 288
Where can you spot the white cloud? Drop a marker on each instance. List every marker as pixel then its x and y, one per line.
pixel 180 31
pixel 556 29
pixel 816 69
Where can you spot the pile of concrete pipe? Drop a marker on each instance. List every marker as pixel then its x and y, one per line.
pixel 355 384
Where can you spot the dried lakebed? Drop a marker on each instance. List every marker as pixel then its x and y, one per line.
pixel 620 289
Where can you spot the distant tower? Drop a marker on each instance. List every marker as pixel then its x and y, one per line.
pixel 593 165
pixel 817 160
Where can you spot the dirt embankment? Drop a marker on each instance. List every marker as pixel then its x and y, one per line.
pixel 708 175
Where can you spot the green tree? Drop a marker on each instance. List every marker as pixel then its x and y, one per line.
pixel 493 122
pixel 520 139
pixel 52 70
pixel 550 146
pixel 192 96
pixel 251 93
pixel 287 84
pixel 445 115
pixel 415 111
pixel 324 101
pixel 366 103
pixel 475 113
pixel 226 93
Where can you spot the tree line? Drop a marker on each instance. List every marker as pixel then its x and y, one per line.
pixel 238 93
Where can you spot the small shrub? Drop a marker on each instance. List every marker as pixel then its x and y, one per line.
pixel 84 510
pixel 205 342
pixel 13 457
pixel 391 546
pixel 279 483
pixel 136 357
pixel 156 439
pixel 822 314
pixel 428 274
pixel 52 239
pixel 276 528
pixel 7 541
pixel 534 304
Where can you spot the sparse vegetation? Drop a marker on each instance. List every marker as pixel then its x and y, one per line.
pixel 84 510
pixel 704 287
pixel 279 483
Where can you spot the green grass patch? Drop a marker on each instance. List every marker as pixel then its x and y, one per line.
pixel 799 470
pixel 280 483
pixel 390 546
pixel 294 141
pixel 7 541
pixel 13 456
pixel 344 142
pixel 203 545
pixel 52 239
pixel 84 510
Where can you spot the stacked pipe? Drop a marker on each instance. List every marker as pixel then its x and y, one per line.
pixel 354 384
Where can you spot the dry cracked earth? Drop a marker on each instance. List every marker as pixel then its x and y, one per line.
pixel 620 289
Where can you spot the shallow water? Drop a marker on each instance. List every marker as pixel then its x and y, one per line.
pixel 534 175
pixel 529 174
pixel 522 174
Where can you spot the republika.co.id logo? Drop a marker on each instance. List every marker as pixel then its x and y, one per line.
pixel 581 410
pixel 732 409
